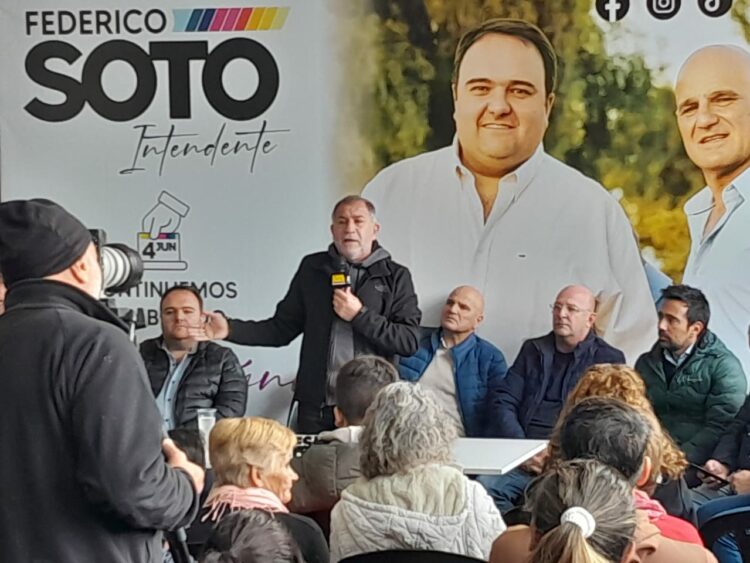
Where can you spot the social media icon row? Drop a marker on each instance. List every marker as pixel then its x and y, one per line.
pixel 614 10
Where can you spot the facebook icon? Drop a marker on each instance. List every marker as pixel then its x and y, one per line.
pixel 612 10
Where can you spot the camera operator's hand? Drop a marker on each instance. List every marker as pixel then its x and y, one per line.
pixel 177 458
pixel 215 327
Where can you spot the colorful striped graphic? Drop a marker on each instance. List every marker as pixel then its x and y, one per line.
pixel 162 236
pixel 230 19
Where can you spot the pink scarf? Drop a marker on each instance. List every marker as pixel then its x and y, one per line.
pixel 229 497
pixel 652 507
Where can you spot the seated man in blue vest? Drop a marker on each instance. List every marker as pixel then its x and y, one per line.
pixel 461 369
pixel 530 398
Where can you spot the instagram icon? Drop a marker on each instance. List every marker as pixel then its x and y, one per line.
pixel 663 9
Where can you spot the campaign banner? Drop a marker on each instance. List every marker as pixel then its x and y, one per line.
pixel 215 139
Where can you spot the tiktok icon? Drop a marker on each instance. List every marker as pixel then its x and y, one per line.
pixel 613 10
pixel 714 8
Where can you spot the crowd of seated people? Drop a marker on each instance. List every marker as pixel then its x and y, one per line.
pixel 385 478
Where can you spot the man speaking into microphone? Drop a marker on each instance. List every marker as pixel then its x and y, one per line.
pixel 348 301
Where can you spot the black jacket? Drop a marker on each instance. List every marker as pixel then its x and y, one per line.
pixel 387 325
pixel 82 475
pixel 520 394
pixel 213 379
pixel 733 449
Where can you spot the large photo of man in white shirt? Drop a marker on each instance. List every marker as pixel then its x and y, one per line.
pixel 494 210
pixel 712 95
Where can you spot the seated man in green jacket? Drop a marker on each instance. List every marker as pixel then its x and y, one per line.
pixel 695 383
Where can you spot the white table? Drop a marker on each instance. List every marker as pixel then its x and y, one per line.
pixel 494 456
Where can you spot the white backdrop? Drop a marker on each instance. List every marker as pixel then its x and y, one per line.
pixel 237 223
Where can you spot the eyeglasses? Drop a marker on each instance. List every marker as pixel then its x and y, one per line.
pixel 572 309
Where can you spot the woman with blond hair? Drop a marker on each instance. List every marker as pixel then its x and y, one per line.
pixel 250 459
pixel 668 463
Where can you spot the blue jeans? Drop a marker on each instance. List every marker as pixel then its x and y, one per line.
pixel 506 490
pixel 725 548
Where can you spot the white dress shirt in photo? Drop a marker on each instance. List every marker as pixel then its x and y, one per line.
pixel 719 263
pixel 550 226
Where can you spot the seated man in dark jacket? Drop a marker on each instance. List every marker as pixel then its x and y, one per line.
pixel 186 375
pixel 694 382
pixel 331 464
pixel 461 369
pixel 547 368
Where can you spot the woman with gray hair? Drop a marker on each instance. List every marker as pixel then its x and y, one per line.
pixel 409 495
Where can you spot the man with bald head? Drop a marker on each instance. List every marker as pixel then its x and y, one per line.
pixel 463 370
pixel 713 114
pixel 531 396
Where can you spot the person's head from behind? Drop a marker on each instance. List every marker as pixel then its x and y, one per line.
pixel 357 384
pixel 581 512
pixel 41 240
pixel 683 317
pixel 504 74
pixel 618 381
pixel 463 312
pixel 250 536
pixel 253 452
pixel 189 440
pixel 610 432
pixel 404 428
pixel 181 309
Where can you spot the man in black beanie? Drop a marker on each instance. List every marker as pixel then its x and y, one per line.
pixel 84 474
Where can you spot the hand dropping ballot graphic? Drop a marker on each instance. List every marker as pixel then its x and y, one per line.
pixel 159 241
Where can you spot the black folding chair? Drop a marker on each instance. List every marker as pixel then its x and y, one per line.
pixel 736 522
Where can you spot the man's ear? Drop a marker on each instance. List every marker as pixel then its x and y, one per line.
pixel 549 102
pixel 80 271
pixel 339 419
pixel 646 468
pixel 697 328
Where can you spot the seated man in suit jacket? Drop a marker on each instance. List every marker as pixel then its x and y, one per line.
pixel 530 398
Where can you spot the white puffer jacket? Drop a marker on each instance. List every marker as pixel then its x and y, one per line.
pixel 433 507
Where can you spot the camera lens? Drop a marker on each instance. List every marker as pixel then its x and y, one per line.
pixel 122 267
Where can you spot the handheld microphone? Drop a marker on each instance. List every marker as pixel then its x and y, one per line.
pixel 340 276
